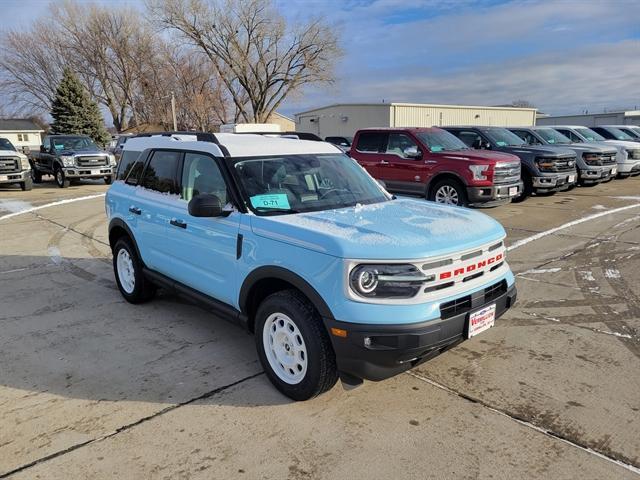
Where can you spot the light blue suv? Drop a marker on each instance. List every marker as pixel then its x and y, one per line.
pixel 294 240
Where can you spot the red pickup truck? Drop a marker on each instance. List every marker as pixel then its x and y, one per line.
pixel 436 164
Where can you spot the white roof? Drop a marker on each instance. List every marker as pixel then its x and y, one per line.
pixel 238 145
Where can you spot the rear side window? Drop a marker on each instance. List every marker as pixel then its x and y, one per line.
pixel 373 142
pixel 160 173
pixel 126 163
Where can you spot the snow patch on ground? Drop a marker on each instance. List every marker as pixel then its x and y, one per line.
pixel 14 206
pixel 587 275
pixel 611 273
pixel 599 207
pixel 628 197
pixel 55 255
pixel 615 334
pixel 541 271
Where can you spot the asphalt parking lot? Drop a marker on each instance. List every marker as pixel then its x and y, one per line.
pixel 93 387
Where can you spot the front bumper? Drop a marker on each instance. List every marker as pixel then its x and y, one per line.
pixel 89 172
pixel 494 195
pixel 629 168
pixel 16 177
pixel 376 352
pixel 555 182
pixel 591 175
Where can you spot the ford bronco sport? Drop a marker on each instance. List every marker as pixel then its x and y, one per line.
pixel 71 157
pixel 433 163
pixel 14 166
pixel 294 240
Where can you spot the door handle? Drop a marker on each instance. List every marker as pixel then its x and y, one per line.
pixel 135 210
pixel 178 223
pixel 431 162
pixel 384 162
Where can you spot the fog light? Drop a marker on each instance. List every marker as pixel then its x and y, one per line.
pixel 367 341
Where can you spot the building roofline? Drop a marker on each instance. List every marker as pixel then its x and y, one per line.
pixel 626 113
pixel 401 104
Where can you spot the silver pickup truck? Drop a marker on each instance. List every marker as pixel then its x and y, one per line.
pixel 14 166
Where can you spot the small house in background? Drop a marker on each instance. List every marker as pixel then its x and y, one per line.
pixel 286 123
pixel 22 132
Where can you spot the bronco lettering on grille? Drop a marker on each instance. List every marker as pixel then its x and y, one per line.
pixel 471 267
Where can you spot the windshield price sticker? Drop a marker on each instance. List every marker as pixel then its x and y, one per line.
pixel 274 200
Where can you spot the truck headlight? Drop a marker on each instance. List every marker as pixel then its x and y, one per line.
pixel 112 160
pixel 67 161
pixel 478 171
pixel 24 163
pixel 386 281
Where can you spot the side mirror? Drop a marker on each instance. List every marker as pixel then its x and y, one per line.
pixel 412 152
pixel 205 206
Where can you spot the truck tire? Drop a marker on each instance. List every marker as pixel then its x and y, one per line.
pixel 36 176
pixel 108 180
pixel 127 267
pixel 527 188
pixel 26 185
pixel 448 192
pixel 294 346
pixel 61 179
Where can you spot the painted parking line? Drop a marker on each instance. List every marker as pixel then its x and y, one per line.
pixel 52 204
pixel 564 226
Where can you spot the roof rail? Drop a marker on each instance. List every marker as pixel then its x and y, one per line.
pixel 200 136
pixel 299 135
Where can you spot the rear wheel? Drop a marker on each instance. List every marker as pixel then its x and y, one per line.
pixel 26 185
pixel 448 192
pixel 294 346
pixel 61 179
pixel 133 286
pixel 36 176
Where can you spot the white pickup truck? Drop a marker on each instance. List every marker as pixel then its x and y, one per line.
pixel 14 166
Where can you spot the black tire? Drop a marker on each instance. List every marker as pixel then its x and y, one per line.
pixel 36 176
pixel 61 179
pixel 321 373
pixel 143 290
pixel 449 186
pixel 527 188
pixel 108 180
pixel 26 185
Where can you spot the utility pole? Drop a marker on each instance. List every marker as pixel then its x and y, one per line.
pixel 173 111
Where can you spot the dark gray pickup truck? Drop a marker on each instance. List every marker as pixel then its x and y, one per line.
pixel 71 157
pixel 544 168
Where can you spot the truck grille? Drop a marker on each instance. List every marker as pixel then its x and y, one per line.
pixel 609 159
pixel 91 161
pixel 565 164
pixel 506 173
pixel 9 165
pixel 634 154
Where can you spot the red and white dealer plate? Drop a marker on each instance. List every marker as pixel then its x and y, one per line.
pixel 481 320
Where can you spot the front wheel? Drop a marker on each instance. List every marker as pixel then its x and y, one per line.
pixel 27 184
pixel 108 179
pixel 294 347
pixel 61 179
pixel 448 192
pixel 36 176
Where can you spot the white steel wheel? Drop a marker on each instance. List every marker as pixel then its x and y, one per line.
pixel 126 271
pixel 284 348
pixel 447 195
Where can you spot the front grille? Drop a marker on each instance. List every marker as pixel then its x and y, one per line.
pixel 562 164
pixel 463 304
pixel 9 165
pixel 634 154
pixel 455 307
pixel 506 173
pixel 609 159
pixel 91 161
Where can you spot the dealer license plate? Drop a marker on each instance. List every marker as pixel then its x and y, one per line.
pixel 513 191
pixel 95 172
pixel 572 178
pixel 4 177
pixel 481 320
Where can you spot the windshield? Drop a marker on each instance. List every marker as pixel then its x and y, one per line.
pixel 305 183
pixel 6 145
pixel 633 131
pixel 441 141
pixel 619 134
pixel 551 136
pixel 504 138
pixel 74 143
pixel 590 135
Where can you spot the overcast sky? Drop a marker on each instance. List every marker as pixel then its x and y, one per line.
pixel 564 56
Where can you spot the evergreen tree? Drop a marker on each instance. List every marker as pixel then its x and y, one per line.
pixel 74 112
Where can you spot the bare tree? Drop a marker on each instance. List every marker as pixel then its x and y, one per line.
pixel 257 57
pixel 522 104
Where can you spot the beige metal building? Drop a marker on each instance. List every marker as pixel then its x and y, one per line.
pixel 344 119
pixel 629 117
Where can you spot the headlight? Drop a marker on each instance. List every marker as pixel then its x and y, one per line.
pixel 67 161
pixel 478 171
pixel 112 160
pixel 386 281
pixel 591 156
pixel 546 163
pixel 24 163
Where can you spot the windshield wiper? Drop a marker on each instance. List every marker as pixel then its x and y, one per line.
pixel 276 210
